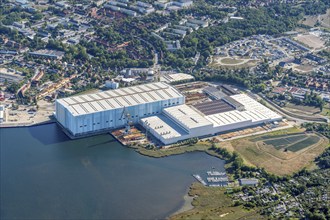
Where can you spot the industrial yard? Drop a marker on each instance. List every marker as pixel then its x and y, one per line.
pixel 22 115
pixel 277 146
pixel 163 113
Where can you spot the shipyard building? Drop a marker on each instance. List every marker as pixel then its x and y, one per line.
pixel 84 114
pixel 162 111
pixel 183 122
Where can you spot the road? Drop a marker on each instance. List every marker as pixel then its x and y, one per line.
pixel 290 115
pixel 156 66
pixel 322 22
pixel 256 133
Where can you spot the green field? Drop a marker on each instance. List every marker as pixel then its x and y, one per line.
pixel 285 141
pixel 231 61
pixel 305 143
pixel 292 143
pixel 295 138
pixel 214 204
pixel 326 110
pixel 277 143
pixel 265 137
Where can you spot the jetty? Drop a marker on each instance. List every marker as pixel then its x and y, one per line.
pixel 199 178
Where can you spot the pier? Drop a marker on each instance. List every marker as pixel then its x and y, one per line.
pixel 213 178
pixel 199 178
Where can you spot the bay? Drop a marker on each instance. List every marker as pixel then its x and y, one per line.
pixel 45 175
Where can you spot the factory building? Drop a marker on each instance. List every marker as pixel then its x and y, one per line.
pixel 176 77
pixel 161 110
pixel 84 114
pixel 183 122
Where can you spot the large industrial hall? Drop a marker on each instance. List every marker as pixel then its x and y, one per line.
pixel 161 110
pixel 183 122
pixel 108 110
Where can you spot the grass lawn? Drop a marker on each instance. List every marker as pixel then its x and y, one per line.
pixel 302 109
pixel 277 143
pixel 275 134
pixel 213 203
pixel 295 138
pixel 326 110
pixel 200 146
pixel 305 143
pixel 284 141
pixel 231 61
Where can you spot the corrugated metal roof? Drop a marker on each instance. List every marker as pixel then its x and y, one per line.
pixel 254 106
pixel 176 77
pixel 254 112
pixel 163 126
pixel 187 117
pixel 130 96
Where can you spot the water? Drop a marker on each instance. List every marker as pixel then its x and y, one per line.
pixel 45 175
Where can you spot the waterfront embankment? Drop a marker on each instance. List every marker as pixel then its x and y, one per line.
pixel 26 124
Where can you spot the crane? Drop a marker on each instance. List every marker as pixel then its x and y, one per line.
pixel 128 120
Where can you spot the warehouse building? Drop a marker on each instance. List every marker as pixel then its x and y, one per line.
pixel 214 93
pixel 176 77
pixel 81 115
pixel 182 122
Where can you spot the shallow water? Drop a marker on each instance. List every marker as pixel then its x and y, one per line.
pixel 45 175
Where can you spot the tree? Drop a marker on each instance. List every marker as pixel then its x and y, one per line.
pixel 213 146
pixel 13 88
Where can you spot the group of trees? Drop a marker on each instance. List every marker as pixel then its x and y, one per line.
pixel 237 164
pixel 190 142
pixel 13 87
pixel 313 185
pixel 241 77
pixel 9 15
pixel 204 9
pixel 323 128
pixel 273 20
pixel 311 99
pixel 324 159
pixel 100 55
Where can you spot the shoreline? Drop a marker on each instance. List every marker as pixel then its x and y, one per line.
pixel 203 146
pixel 186 206
pixel 25 124
pixel 187 199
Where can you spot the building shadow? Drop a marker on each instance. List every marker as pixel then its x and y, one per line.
pixel 48 134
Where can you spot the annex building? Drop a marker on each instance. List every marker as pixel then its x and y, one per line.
pixel 209 118
pixel 161 110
